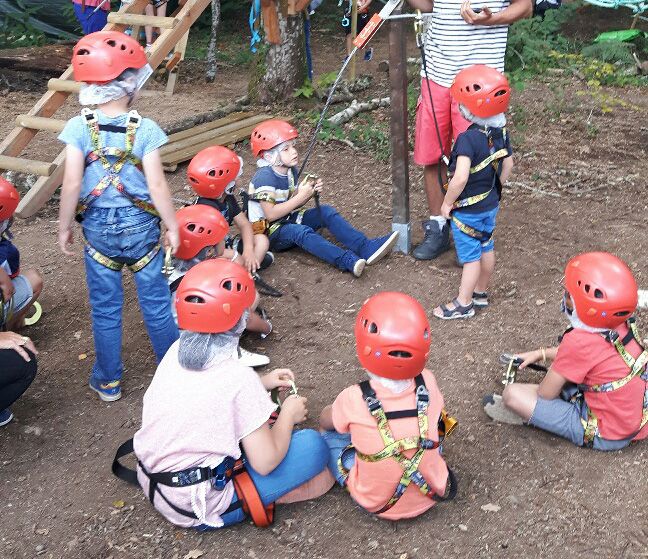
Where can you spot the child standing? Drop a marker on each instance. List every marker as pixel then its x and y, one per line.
pixel 202 230
pixel 19 289
pixel 118 205
pixel 481 160
pixel 91 18
pixel 595 393
pixel 385 434
pixel 277 200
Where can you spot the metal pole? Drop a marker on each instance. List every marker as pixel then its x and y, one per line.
pixel 354 33
pixel 399 134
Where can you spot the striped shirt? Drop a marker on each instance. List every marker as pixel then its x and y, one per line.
pixel 451 44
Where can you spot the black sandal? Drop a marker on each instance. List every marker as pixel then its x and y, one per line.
pixel 459 311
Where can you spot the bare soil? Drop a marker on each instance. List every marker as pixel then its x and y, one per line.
pixel 579 184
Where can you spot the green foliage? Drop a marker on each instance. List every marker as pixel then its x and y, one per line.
pixel 16 31
pixel 610 51
pixel 306 90
pixel 364 132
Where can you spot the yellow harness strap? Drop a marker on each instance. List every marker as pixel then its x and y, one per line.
pixel 118 266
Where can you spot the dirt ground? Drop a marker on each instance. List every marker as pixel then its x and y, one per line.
pixel 579 184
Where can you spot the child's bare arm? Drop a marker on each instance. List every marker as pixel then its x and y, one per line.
pixel 247 236
pixel 306 191
pixel 507 167
pixel 326 419
pixel 423 5
pixel 6 285
pixel 70 192
pixel 551 385
pixel 161 196
pixel 456 185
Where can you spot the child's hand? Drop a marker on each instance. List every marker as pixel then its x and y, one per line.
pixel 279 378
pixel 172 239
pixel 318 186
pixel 306 190
pixel 66 238
pixel 446 209
pixel 480 17
pixel 250 261
pixel 295 407
pixel 6 286
pixel 529 357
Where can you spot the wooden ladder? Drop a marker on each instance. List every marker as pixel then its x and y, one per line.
pixel 172 38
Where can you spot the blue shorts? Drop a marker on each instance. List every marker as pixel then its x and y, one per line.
pixel 337 442
pixel 468 248
pixel 562 417
pixel 23 293
pixel 90 22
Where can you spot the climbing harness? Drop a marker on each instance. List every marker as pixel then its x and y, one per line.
pixel 395 448
pixel 638 368
pixel 112 178
pixel 228 470
pixel 493 159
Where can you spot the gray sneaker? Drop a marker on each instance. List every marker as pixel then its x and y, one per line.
pixel 435 243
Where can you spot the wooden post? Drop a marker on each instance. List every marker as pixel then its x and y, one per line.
pixel 354 32
pixel 399 134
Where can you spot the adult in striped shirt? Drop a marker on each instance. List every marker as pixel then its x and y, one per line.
pixel 458 35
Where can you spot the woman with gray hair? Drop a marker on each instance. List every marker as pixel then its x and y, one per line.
pixel 204 409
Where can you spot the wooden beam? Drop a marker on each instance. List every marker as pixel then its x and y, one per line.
pixel 228 119
pixel 399 134
pixel 64 86
pixel 354 33
pixel 39 194
pixel 127 20
pixel 42 168
pixel 41 123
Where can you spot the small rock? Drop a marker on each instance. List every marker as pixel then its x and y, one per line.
pixel 373 544
pixel 33 430
pixel 463 527
pixel 490 507
pixel 540 302
pixel 39 548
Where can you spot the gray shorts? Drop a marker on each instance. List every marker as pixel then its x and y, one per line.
pixel 562 417
pixel 23 293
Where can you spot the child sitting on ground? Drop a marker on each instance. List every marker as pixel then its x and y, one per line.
pixel 595 393
pixel 212 174
pixel 18 289
pixel 276 199
pixel 119 206
pixel 481 160
pixel 204 411
pixel 202 231
pixel 382 434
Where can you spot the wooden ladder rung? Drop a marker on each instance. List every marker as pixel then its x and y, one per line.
pixel 42 168
pixel 141 19
pixel 67 86
pixel 40 123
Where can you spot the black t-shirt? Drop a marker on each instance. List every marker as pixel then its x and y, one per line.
pixel 473 143
pixel 229 207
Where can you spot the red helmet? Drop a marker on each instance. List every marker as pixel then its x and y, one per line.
pixel 392 335
pixel 212 169
pixel 270 134
pixel 482 90
pixel 102 56
pixel 199 226
pixel 602 288
pixel 213 295
pixel 9 199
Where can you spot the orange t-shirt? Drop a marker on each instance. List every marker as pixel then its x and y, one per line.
pixel 372 484
pixel 587 358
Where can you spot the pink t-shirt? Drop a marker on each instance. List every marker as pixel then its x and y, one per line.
pixel 92 4
pixel 197 418
pixel 587 358
pixel 372 484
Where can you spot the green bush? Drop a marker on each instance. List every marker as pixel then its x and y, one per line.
pixel 16 31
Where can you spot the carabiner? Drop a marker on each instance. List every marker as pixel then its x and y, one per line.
pixel 418 28
pixel 167 267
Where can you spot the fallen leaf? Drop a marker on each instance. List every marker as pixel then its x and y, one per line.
pixel 42 531
pixel 83 356
pixel 77 334
pixel 490 507
pixel 118 504
pixel 194 554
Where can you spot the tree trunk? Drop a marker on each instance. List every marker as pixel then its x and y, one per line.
pixel 210 74
pixel 279 69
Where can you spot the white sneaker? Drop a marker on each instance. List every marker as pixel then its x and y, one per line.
pixel 250 359
pixel 359 267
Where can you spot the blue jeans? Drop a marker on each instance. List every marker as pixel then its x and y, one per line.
pixel 90 22
pixel 125 233
pixel 468 248
pixel 306 457
pixel 304 236
pixel 337 443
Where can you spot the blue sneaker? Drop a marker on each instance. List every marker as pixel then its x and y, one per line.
pixel 377 249
pixel 108 391
pixel 5 417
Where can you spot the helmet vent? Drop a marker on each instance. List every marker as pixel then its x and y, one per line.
pixel 400 354
pixel 622 313
pixel 194 180
pixel 373 328
pixel 426 334
pixel 194 299
pixel 211 172
pixel 500 93
pixel 82 52
pixel 111 43
pixel 227 284
pixel 587 288
pixel 598 294
pixel 123 47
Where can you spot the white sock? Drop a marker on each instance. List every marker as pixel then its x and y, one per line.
pixel 439 219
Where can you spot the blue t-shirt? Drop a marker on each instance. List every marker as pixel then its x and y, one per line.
pixel 148 137
pixel 9 257
pixel 473 143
